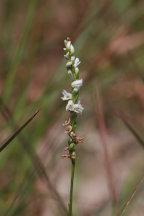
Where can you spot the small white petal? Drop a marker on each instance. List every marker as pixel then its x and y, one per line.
pixel 68 45
pixel 68 64
pixel 70 105
pixel 72 58
pixel 76 89
pixel 65 42
pixel 66 95
pixel 66 55
pixel 78 108
pixel 77 62
pixel 77 84
pixel 71 49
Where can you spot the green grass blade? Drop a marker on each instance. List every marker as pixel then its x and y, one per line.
pixel 13 136
pixel 19 50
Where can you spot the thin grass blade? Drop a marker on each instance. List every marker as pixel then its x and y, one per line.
pixel 131 197
pixel 130 127
pixel 16 133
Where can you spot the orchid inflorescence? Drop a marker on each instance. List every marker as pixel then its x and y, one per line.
pixel 73 102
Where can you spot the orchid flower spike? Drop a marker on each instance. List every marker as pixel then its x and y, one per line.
pixel 73 103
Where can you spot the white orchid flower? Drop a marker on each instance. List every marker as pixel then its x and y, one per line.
pixel 70 105
pixel 78 108
pixel 77 84
pixel 68 64
pixel 66 95
pixel 74 107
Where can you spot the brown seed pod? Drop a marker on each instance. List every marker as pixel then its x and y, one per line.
pixel 66 122
pixel 68 129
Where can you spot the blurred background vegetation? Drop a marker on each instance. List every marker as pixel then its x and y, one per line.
pixel 109 40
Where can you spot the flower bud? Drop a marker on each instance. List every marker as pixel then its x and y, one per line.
pixel 69 72
pixel 77 72
pixel 75 91
pixel 71 146
pixel 68 45
pixel 68 129
pixel 73 155
pixel 72 50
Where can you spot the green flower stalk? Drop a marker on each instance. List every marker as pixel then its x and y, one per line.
pixel 74 107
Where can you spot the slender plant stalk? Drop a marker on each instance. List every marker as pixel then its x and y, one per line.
pixel 74 107
pixel 71 188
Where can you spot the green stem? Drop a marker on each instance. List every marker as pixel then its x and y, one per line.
pixel 71 187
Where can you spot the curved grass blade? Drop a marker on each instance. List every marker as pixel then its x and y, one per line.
pixel 15 134
pixel 129 126
pixel 131 197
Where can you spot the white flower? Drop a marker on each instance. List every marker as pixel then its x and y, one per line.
pixel 69 63
pixel 77 84
pixel 66 95
pixel 76 62
pixel 70 105
pixel 69 47
pixel 78 108
pixel 74 107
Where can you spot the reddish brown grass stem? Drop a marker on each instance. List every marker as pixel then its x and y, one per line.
pixel 102 131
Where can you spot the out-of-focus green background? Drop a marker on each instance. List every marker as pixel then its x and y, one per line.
pixel 108 36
